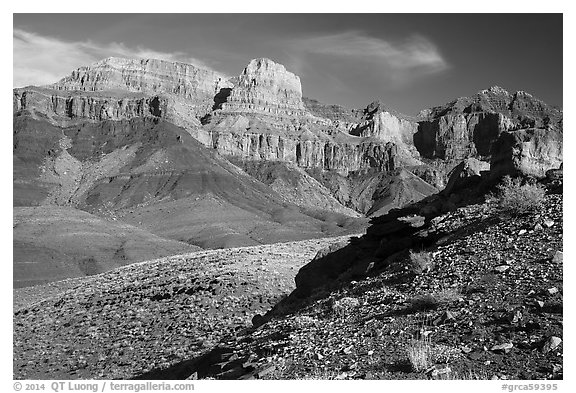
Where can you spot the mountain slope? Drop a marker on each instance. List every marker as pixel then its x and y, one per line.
pixel 155 176
pixel 54 243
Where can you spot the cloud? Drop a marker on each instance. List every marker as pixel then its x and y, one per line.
pixel 40 60
pixel 397 61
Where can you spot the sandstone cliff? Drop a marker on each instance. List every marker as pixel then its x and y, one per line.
pixel 264 118
pixel 259 115
pixel 469 126
pixel 529 152
pixel 63 106
pixel 266 88
pixel 189 90
pixel 148 76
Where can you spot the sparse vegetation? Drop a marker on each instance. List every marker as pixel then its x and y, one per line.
pixel 447 296
pixel 516 198
pixel 420 354
pixel 421 262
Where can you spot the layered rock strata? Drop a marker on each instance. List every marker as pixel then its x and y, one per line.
pixel 469 126
pixel 529 152
pixel 190 91
pixel 266 88
pixel 96 107
pixel 148 76
pixel 264 118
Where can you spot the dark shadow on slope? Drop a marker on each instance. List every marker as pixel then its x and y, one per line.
pixel 221 97
pixel 384 247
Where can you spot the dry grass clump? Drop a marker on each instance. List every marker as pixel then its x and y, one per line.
pixel 516 198
pixel 420 354
pixel 421 262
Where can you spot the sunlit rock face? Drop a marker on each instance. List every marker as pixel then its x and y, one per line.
pixel 266 88
pixel 264 118
pixel 189 90
pixel 469 126
pixel 80 105
pixel 148 76
pixel 530 152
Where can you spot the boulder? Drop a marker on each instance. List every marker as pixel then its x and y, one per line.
pixel 465 174
pixel 551 344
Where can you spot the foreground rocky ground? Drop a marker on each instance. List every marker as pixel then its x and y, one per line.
pixel 150 315
pixel 488 306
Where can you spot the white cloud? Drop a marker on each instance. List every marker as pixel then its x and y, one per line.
pixel 398 61
pixel 40 60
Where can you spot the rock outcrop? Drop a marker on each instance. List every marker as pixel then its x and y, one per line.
pixel 190 91
pixel 465 174
pixel 382 123
pixel 528 152
pixel 308 150
pixel 264 118
pixel 469 126
pixel 265 88
pixel 261 115
pixel 63 106
pixel 150 76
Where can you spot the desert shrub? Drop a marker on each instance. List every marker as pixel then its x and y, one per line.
pixel 421 262
pixel 516 198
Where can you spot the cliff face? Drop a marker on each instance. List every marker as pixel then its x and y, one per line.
pixel 94 107
pixel 530 152
pixel 148 76
pixel 259 115
pixel 306 152
pixel 264 118
pixel 266 88
pixel 469 126
pixel 189 91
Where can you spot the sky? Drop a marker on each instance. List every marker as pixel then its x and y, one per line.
pixel 408 61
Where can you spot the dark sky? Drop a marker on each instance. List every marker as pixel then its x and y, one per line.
pixel 409 61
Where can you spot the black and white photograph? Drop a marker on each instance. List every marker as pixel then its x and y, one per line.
pixel 286 196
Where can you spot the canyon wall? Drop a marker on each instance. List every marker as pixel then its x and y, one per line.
pixel 469 126
pixel 96 107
